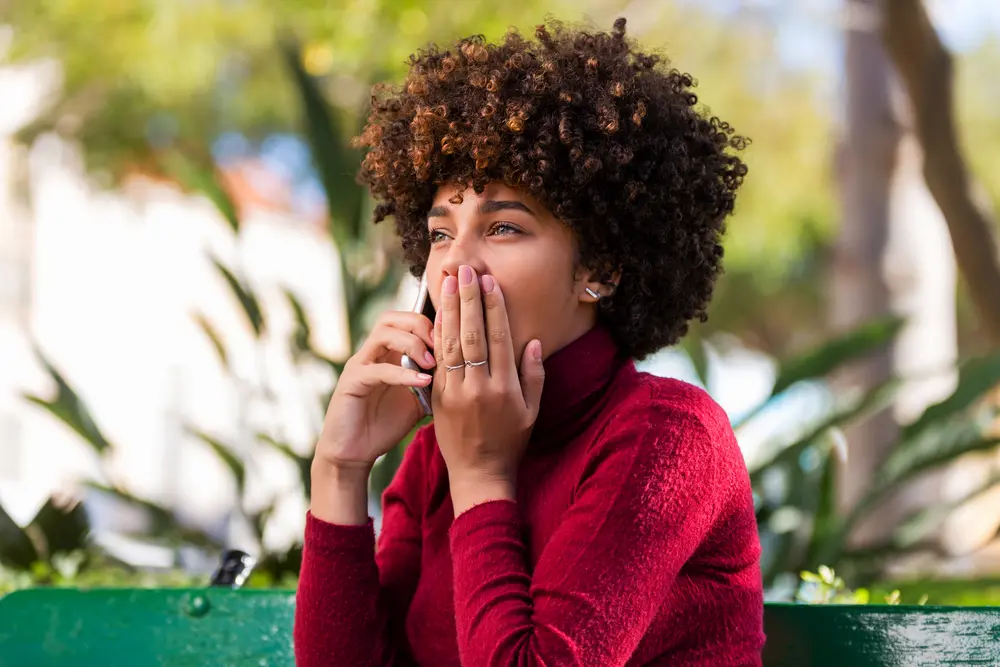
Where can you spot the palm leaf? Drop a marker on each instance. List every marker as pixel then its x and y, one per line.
pixel 301 338
pixel 835 353
pixel 302 335
pixel 825 519
pixel 204 179
pixel 69 409
pixel 868 403
pixel 16 549
pixel 976 377
pixel 258 521
pixel 246 297
pixel 214 338
pixel 694 347
pixel 163 522
pixel 226 455
pixel 335 160
pixel 942 446
pixel 933 448
pixel 63 528
pixel 919 525
pixel 302 463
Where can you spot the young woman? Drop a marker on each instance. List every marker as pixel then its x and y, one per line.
pixel 566 201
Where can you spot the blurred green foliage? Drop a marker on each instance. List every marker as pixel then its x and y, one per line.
pixel 129 91
pixel 799 526
pixel 825 587
pixel 149 86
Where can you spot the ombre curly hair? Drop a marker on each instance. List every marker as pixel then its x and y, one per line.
pixel 608 138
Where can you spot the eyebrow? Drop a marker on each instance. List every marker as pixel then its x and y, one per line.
pixel 491 206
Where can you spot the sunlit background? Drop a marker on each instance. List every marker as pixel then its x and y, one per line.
pixel 185 264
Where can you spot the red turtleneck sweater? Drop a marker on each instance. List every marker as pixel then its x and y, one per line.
pixel 632 542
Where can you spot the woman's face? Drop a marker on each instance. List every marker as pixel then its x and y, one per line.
pixel 530 254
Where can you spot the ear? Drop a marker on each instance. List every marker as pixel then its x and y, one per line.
pixel 592 288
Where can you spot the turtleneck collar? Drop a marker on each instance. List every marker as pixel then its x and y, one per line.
pixel 576 379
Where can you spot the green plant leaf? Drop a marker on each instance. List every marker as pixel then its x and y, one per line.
pixel 193 175
pixel 63 528
pixel 164 523
pixel 825 518
pixel 303 463
pixel 835 353
pixel 976 377
pixel 226 455
pixel 919 525
pixel 246 297
pixel 867 403
pixel 302 335
pixel 929 450
pixel 259 519
pixel 694 347
pixel 16 549
pixel 336 161
pixel 69 408
pixel 214 338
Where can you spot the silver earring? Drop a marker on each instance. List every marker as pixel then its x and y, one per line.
pixel 592 293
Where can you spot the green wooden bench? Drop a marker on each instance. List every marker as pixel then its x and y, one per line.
pixel 222 627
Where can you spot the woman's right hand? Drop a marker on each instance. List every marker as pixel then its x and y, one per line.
pixel 372 407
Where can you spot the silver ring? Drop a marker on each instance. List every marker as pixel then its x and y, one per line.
pixel 470 364
pixel 454 368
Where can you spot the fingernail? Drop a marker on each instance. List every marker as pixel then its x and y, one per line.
pixel 424 376
pixel 429 358
pixel 488 284
pixel 464 275
pixel 537 351
pixel 450 285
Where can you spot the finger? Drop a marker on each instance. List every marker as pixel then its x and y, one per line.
pixel 371 376
pixel 532 377
pixel 503 363
pixel 415 323
pixel 451 327
pixel 472 322
pixel 385 337
pixel 441 376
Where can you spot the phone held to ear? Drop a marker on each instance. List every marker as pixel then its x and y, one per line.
pixel 422 305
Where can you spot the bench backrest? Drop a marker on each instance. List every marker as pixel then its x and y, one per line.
pixel 221 627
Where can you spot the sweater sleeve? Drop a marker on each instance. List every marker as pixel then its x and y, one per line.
pixel 352 600
pixel 651 493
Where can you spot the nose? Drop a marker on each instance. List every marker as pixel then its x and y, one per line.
pixel 462 251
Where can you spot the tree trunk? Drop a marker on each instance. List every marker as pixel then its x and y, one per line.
pixel 925 67
pixel 921 274
pixel 867 158
pixel 926 70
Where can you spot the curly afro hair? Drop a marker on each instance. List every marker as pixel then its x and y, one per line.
pixel 606 137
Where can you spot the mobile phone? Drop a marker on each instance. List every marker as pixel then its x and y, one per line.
pixel 422 305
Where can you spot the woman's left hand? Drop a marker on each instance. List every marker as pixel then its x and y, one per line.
pixel 484 409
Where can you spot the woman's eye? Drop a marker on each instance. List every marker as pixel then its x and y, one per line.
pixel 504 229
pixel 437 235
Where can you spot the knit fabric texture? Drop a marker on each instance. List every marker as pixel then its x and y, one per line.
pixel 633 541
